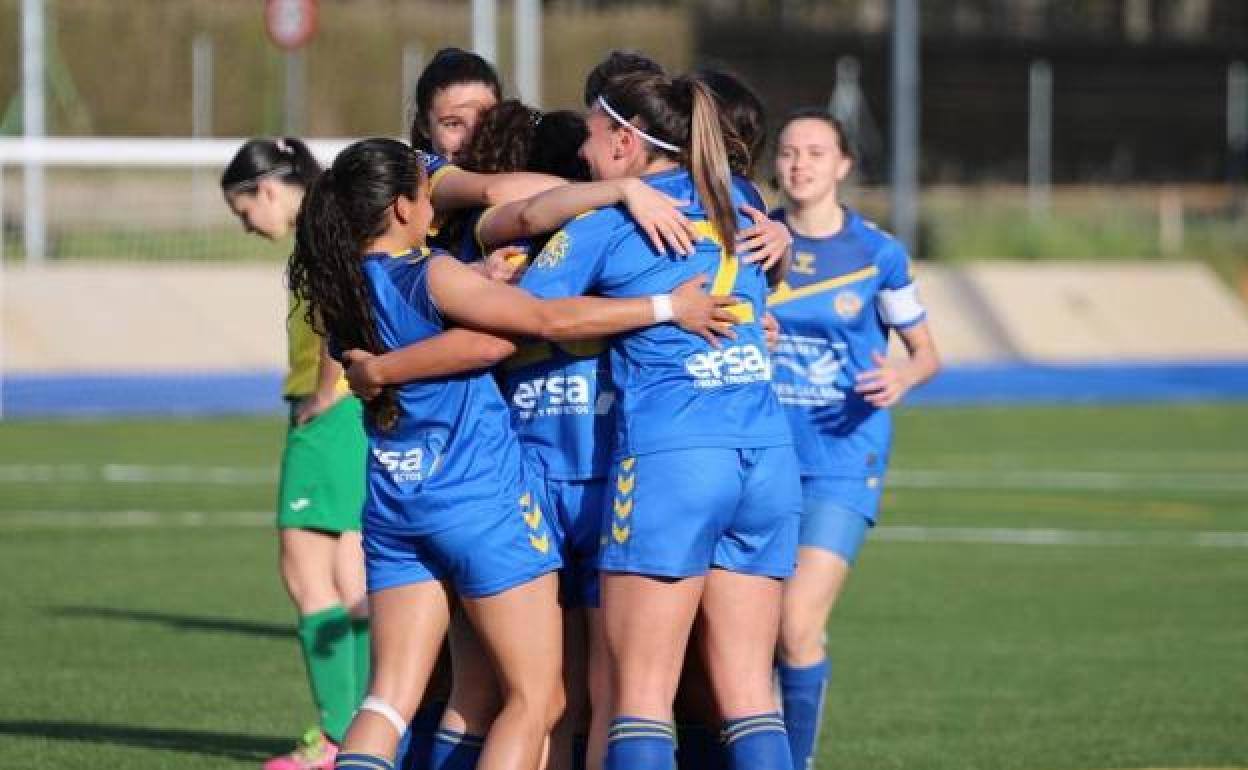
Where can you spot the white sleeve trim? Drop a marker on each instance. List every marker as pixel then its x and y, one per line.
pixel 900 307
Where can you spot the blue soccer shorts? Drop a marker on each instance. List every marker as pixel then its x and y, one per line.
pixel 479 553
pixel 574 510
pixel 837 512
pixel 680 512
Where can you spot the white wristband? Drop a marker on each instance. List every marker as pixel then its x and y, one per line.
pixel 662 304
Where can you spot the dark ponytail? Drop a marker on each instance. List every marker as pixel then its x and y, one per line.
pixel 744 119
pixel 345 209
pixel 557 144
pixel 682 112
pixel 286 159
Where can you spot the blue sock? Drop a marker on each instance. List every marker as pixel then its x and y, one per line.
pixel 697 748
pixel 416 748
pixel 640 744
pixel 455 751
pixel 757 743
pixel 356 761
pixel 802 690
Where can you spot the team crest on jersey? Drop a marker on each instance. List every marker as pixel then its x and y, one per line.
pixel 847 304
pixel 555 251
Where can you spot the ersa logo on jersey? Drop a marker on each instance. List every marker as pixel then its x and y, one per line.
pixel 735 365
pixel 553 396
pixel 554 252
pixel 405 466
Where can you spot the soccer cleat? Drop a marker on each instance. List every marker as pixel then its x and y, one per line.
pixel 314 751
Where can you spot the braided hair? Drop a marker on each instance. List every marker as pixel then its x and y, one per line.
pixel 347 207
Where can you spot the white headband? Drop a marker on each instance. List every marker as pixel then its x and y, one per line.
pixel 602 102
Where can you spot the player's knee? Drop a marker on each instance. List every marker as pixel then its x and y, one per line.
pixel 801 640
pixel 536 710
pixel 558 706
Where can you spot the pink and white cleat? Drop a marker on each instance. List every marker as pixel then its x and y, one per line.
pixel 314 751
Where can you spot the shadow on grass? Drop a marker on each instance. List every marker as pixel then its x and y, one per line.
pixel 204 742
pixel 180 622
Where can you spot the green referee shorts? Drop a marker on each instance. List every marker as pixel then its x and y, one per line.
pixel 322 482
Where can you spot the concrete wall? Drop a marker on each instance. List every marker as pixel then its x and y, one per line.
pixel 143 318
pixel 194 318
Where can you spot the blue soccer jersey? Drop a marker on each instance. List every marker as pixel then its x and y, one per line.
pixel 835 307
pixel 435 165
pixel 561 400
pixel 675 391
pixel 453 450
pixel 438 168
pixel 749 192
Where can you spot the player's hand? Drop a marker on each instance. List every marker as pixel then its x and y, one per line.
pixel 314 406
pixel 771 331
pixel 883 386
pixel 506 264
pixel 702 314
pixel 360 368
pixel 765 242
pixel 659 217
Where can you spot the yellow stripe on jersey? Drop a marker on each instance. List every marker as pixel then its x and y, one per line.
pixel 535 352
pixel 784 293
pixel 476 233
pixel 726 274
pixel 439 175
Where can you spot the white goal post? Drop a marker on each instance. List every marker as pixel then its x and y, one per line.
pixel 19 154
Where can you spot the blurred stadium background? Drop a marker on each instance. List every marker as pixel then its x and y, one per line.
pixel 1060 579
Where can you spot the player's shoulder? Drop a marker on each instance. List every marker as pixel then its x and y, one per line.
pixel 749 192
pixel 603 219
pixel 880 243
pixel 410 265
pixel 432 161
pixel 596 226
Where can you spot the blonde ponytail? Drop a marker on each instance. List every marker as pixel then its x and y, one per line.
pixel 708 161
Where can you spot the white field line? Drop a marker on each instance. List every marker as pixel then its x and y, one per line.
pixel 1068 537
pixel 48 520
pixel 113 473
pixel 901 478
pixel 1103 481
pixel 27 520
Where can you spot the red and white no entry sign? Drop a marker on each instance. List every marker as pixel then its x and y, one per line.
pixel 290 23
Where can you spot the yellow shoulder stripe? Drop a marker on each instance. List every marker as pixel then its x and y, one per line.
pixel 784 294
pixel 439 175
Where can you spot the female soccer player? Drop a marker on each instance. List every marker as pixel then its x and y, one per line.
pixel 322 483
pixel 560 397
pixel 704 495
pixel 451 93
pixel 448 511
pixel 848 286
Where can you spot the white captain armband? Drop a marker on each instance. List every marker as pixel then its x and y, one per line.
pixel 900 307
